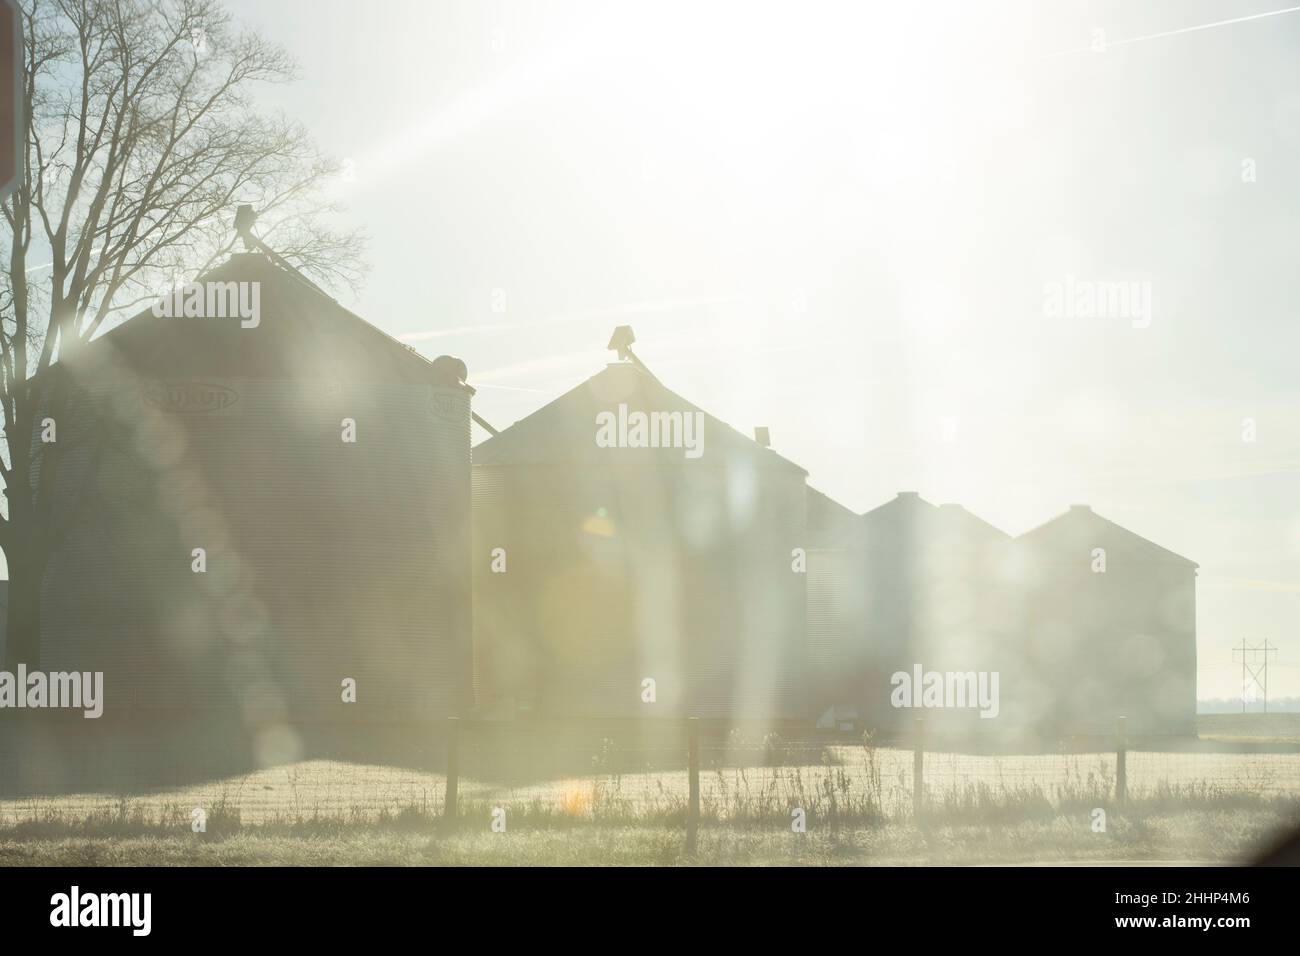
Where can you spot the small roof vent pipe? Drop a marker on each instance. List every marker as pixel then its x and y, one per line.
pixel 763 435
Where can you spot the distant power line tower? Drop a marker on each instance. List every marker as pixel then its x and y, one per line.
pixel 1254 670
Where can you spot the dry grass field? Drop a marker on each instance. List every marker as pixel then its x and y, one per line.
pixel 1190 805
pixel 1250 728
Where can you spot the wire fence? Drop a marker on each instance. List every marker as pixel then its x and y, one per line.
pixel 676 775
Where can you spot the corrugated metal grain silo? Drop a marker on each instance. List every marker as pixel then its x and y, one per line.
pixel 1109 630
pixel 930 577
pixel 598 568
pixel 322 467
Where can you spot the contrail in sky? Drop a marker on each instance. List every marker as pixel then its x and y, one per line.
pixel 1171 33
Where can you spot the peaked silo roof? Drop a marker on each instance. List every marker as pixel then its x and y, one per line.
pixel 909 518
pixel 1083 528
pixel 300 333
pixel 564 430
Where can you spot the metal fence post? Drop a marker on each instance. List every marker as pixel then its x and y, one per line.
pixel 693 775
pixel 1121 760
pixel 918 765
pixel 453 770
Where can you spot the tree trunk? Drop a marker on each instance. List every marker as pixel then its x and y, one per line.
pixel 23 615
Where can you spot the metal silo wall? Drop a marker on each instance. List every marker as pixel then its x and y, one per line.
pixel 621 573
pixel 835 613
pixel 1096 646
pixel 325 560
pixel 499 675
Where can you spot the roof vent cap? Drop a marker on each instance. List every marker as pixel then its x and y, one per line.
pixel 621 341
pixel 245 217
pixel 449 370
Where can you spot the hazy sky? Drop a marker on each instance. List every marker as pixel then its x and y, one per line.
pixel 844 221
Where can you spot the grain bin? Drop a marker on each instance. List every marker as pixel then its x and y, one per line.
pixel 606 560
pixel 931 580
pixel 1109 630
pixel 323 470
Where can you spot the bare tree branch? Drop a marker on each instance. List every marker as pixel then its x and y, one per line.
pixel 143 135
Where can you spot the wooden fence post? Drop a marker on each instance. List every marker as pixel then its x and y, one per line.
pixel 453 770
pixel 693 774
pixel 918 775
pixel 1121 761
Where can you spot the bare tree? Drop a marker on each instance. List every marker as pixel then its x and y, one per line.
pixel 142 137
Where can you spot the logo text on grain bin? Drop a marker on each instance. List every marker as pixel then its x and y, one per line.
pixel 189 396
pixel 53 690
pixel 626 429
pixel 946 689
pixel 214 300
